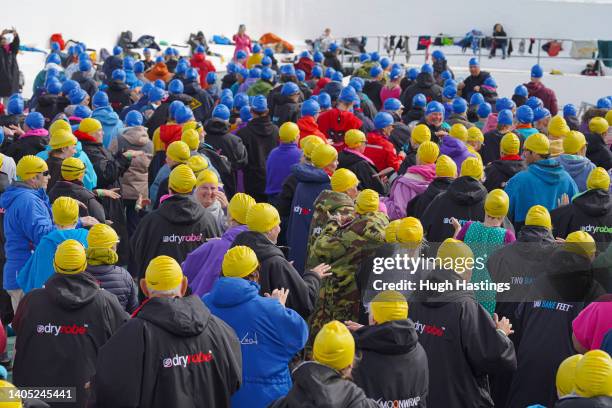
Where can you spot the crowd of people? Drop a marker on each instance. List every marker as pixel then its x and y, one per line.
pixel 174 237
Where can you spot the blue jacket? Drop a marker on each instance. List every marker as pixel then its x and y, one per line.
pixel 162 174
pixel 578 168
pixel 27 218
pixel 524 133
pixel 542 183
pixel 269 336
pixel 310 182
pixel 278 166
pixel 111 124
pixel 90 180
pixel 39 267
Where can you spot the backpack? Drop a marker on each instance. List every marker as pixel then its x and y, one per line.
pixel 58 38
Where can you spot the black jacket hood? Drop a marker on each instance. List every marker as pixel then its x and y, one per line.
pixel 509 167
pixel 467 191
pixel 261 126
pixel 532 233
pixel 595 203
pixel 72 291
pixel 394 337
pixel 425 80
pixel 182 316
pixel 180 209
pixel 117 85
pixel 433 298
pixel 217 127
pixel 258 242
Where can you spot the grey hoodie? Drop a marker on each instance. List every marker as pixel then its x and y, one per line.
pixel 135 180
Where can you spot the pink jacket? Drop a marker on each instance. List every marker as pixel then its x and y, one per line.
pixel 547 95
pixel 386 93
pixel 405 188
pixel 490 123
pixel 243 42
pixel 592 324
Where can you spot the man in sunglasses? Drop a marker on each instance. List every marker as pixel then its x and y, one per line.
pixel 27 218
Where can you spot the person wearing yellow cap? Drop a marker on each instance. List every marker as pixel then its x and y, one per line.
pixel 498 172
pixel 419 135
pixel 556 132
pixel 566 376
pixel 57 325
pixel 347 249
pixel 480 344
pixel 574 160
pixel 485 238
pixel 326 380
pixel 71 185
pixel 185 340
pixel 446 172
pixel 276 272
pixel 463 200
pixel 203 266
pixel 594 377
pixel 414 182
pixel 62 127
pixel 102 257
pixel 63 145
pixel 39 267
pixel 311 181
pixel 597 148
pixel 135 181
pixel 177 153
pixel 178 226
pixel 381 370
pixel 209 193
pixel 279 162
pixel 270 333
pixel 352 157
pixel 475 139
pixel 544 182
pixel 335 205
pixel 589 211
pixel 260 136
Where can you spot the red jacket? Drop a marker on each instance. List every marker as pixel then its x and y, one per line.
pixel 382 152
pixel 308 127
pixel 204 66
pixel 306 65
pixel 334 123
pixel 547 96
pixel 320 85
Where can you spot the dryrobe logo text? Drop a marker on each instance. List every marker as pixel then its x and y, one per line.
pixel 184 361
pixel 179 239
pixel 596 229
pixel 430 329
pixel 405 403
pixel 56 330
pixel 301 210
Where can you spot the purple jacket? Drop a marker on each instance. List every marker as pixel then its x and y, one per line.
pixel 455 149
pixel 405 188
pixel 247 84
pixel 203 266
pixel 278 166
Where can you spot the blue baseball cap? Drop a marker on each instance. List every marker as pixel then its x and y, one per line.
pixel 287 70
pixel 289 88
pixel 318 57
pixel 570 110
pixel 337 76
pixel 347 95
pixel 15 105
pixel 484 110
pixel 191 74
pixel 317 71
pixel 450 82
pixel 221 112
pixel 505 117
pixel 267 74
pixel 155 94
pixel 356 84
pixel 449 92
pixel 375 71
pixel 241 55
pixel 245 113
pixel 54 86
pixel 419 100
pixel 35 120
pixel 382 120
pixel 259 104
pixel 211 78
pixel 160 84
pixel 392 104
pixel 255 73
pixel 459 105
pixel 521 90
pixel 256 48
pixel 76 96
pixel 227 100
pixel 128 63
pixel 536 71
pixel 474 62
pixel 139 67
pixel 412 73
pixel 604 103
pixel 476 99
pixel 119 75
pixel 54 59
pixel 395 74
pixel 524 114
pixel 434 107
pixel 300 75
pixel 534 102
pixel 333 47
pixel 540 113
pixel 364 57
pixel 310 107
pixel 134 118
pixel 490 81
pixel 438 55
pixel 266 61
pixel 82 111
pixel 183 114
pixel 446 75
pixel 84 65
pixel 324 100
pixel 426 68
pixel 329 72
pixel 69 85
pixel 504 103
pixel 384 62
pixel 241 99
pixel 176 87
pixel 174 105
pixel 269 52
pixel 117 50
pixel 199 49
pixel 100 99
pixel 305 54
pixel 375 56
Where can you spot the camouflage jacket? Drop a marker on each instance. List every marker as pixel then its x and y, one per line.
pixel 328 205
pixel 344 248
